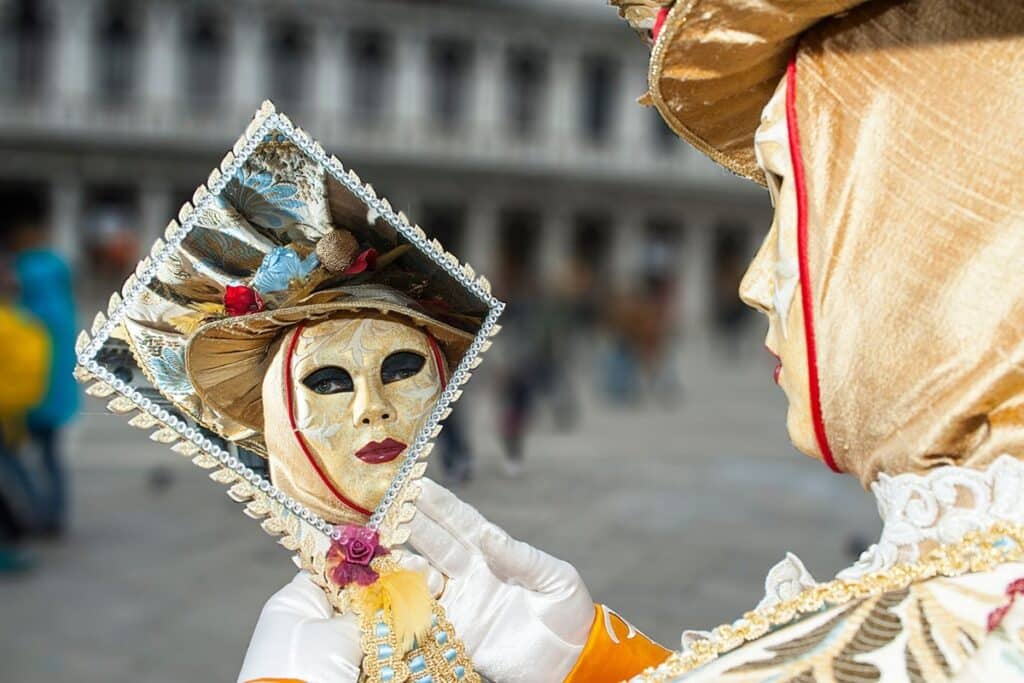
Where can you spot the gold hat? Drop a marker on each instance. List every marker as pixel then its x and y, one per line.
pixel 715 64
pixel 283 242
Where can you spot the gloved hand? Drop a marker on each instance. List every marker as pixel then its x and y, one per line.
pixel 299 637
pixel 523 615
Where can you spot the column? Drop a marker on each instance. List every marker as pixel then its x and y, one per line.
pixel 627 242
pixel 329 78
pixel 411 84
pixel 66 204
pixel 488 81
pixel 161 46
pixel 697 273
pixel 632 122
pixel 155 212
pixel 74 44
pixel 247 64
pixel 556 241
pixel 480 242
pixel 563 99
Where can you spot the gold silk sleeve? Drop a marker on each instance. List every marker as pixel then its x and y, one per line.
pixel 615 651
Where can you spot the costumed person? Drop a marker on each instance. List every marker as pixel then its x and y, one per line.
pixel 890 137
pixel 294 318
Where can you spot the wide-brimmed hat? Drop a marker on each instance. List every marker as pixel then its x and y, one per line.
pixel 284 242
pixel 715 64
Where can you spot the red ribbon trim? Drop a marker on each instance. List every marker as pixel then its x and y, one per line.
pixel 800 179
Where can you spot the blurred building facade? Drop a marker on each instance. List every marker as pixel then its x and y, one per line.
pixel 507 128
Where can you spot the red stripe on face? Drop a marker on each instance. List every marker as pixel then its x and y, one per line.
pixel 290 395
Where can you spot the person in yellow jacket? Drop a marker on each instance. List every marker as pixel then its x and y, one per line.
pixel 25 367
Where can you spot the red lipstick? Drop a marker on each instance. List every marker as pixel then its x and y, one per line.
pixel 379 452
pixel 778 367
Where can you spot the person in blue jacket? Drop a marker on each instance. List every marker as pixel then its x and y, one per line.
pixel 46 291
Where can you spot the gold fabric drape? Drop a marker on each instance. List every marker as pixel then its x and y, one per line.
pixel 911 119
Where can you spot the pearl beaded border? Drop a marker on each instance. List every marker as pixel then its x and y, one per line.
pixel 275 121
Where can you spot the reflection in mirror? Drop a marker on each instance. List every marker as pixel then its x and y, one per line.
pixel 299 339
pixel 299 329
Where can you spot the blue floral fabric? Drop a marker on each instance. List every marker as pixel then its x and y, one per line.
pixel 169 371
pixel 280 267
pixel 262 201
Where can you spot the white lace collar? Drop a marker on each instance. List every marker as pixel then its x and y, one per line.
pixel 919 512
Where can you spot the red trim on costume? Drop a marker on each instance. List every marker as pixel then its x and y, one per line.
pixel 805 275
pixel 659 22
pixel 438 359
pixel 289 393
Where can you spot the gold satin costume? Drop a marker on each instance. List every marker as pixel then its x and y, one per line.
pixel 909 131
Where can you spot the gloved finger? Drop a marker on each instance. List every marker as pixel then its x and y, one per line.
pixel 416 563
pixel 446 552
pixel 460 519
pixel 513 561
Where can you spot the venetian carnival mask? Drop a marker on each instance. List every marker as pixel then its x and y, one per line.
pixel 343 400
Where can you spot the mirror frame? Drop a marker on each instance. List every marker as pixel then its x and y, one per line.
pixel 300 530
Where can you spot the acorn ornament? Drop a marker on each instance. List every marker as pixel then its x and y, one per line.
pixel 337 250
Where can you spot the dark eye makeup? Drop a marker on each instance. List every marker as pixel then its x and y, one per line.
pixel 401 365
pixel 329 380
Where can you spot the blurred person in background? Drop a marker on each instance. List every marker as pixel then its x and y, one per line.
pixel 456 456
pixel 46 292
pixel 24 365
pixel 521 362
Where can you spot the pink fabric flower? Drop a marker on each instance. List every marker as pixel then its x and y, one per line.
pixel 350 554
pixel 359 544
pixel 365 260
pixel 242 300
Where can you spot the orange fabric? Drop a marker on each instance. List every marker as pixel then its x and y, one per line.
pixel 615 651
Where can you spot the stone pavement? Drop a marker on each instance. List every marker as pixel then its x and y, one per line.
pixel 672 515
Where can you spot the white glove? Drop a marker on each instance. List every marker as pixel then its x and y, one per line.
pixel 523 615
pixel 298 635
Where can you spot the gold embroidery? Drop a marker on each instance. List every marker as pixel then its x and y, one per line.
pixel 979 551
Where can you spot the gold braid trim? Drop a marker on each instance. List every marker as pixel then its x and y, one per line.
pixel 979 551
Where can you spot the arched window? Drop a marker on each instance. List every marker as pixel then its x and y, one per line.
pixel 26 35
pixel 289 57
pixel 449 67
pixel 204 61
pixel 118 58
pixel 372 62
pixel 599 87
pixel 527 87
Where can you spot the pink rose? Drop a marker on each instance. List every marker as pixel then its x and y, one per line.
pixel 359 544
pixel 350 554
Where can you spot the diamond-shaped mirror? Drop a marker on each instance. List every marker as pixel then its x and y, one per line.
pixel 296 336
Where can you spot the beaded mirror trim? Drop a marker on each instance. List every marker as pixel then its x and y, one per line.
pixel 303 531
